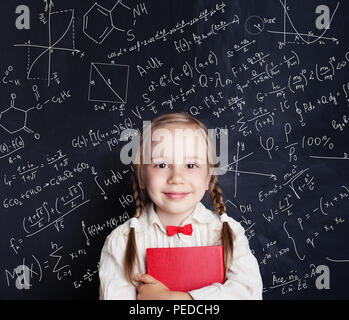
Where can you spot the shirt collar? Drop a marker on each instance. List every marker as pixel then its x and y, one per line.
pixel 200 215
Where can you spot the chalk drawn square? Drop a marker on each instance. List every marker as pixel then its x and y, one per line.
pixel 108 82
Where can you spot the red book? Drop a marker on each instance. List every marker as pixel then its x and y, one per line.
pixel 186 268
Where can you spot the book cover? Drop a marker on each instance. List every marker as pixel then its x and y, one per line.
pixel 186 268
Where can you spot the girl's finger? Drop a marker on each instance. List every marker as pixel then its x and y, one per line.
pixel 148 278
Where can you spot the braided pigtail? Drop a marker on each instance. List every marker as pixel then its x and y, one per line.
pixel 131 255
pixel 227 232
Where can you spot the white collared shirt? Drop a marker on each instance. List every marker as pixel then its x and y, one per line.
pixel 243 277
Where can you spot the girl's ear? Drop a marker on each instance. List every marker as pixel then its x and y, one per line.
pixel 141 181
pixel 211 173
pixel 208 180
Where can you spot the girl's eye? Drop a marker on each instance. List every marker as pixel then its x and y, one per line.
pixel 164 165
pixel 160 165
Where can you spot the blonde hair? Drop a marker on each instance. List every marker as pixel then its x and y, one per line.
pixel 142 199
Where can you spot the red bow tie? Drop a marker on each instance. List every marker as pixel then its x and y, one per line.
pixel 187 229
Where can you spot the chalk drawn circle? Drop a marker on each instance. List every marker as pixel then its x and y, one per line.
pixel 254 25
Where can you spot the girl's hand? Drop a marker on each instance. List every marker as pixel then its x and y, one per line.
pixel 152 289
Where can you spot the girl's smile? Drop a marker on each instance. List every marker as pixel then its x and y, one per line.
pixel 176 196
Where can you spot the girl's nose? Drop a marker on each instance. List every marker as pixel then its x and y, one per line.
pixel 176 175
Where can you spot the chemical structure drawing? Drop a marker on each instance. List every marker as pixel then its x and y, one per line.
pixel 295 35
pixel 14 119
pixel 99 22
pixel 61 38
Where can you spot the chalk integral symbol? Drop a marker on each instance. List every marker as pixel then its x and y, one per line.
pixel 108 82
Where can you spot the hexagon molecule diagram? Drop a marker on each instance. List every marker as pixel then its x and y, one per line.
pixel 99 22
pixel 14 119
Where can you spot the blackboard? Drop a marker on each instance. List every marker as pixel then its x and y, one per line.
pixel 271 75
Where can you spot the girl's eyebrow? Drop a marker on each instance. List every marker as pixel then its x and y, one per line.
pixel 160 159
pixel 194 157
pixel 186 158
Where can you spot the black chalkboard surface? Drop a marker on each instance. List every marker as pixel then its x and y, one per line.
pixel 271 75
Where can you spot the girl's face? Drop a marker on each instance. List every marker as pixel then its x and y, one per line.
pixel 178 176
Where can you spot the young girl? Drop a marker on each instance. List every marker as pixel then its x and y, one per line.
pixel 169 193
